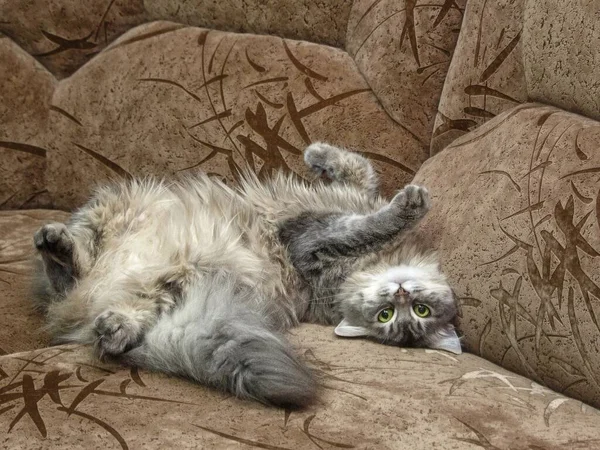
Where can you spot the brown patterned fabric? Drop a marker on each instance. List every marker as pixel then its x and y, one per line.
pixel 404 48
pixel 516 215
pixel 166 99
pixel 486 76
pixel 561 67
pixel 60 398
pixel 65 34
pixel 321 21
pixel 25 92
pixel 373 397
pixel 19 323
pixel 512 51
pixel 517 223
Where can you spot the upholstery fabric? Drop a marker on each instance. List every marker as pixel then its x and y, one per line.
pixel 404 48
pixel 373 397
pixel 320 21
pixel 516 219
pixel 513 51
pixel 560 50
pixel 19 324
pixel 98 90
pixel 304 91
pixel 25 92
pixel 486 76
pixel 167 99
pixel 65 34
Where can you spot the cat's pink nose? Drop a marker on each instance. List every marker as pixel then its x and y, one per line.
pixel 401 292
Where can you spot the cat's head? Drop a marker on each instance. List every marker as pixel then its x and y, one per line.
pixel 402 305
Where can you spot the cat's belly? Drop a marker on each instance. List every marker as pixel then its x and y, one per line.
pixel 178 237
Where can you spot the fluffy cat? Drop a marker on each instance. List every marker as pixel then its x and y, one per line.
pixel 199 279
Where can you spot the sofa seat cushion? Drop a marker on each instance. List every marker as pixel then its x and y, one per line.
pixel 402 398
pixel 516 218
pixel 372 397
pixel 19 323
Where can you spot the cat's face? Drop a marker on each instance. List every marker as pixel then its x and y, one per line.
pixel 403 305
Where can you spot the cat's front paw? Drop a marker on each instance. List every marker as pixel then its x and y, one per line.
pixel 116 333
pixel 55 239
pixel 323 159
pixel 412 201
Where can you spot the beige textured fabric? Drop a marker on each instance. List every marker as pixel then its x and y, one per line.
pixel 19 324
pixel 512 51
pixel 167 99
pixel 25 92
pixel 486 76
pixel 404 49
pixel 516 218
pixel 560 50
pixel 64 34
pixel 61 398
pixel 322 21
pixel 373 397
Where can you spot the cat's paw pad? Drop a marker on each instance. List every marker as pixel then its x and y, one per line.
pixel 412 200
pixel 116 333
pixel 323 159
pixel 54 238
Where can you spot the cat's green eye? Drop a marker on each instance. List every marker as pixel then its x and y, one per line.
pixel 422 310
pixel 385 315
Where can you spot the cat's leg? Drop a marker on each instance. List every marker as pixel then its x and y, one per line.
pixel 117 328
pixel 218 337
pixel 130 307
pixel 122 327
pixel 63 257
pixel 342 166
pixel 113 320
pixel 127 312
pixel 315 239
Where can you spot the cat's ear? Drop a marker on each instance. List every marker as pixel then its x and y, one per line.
pixel 344 329
pixel 445 339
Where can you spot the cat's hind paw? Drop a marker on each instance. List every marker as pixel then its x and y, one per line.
pixel 54 239
pixel 116 333
pixel 412 201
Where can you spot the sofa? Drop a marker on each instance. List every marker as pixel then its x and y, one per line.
pixel 491 105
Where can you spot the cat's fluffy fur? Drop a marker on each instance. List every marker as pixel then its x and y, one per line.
pixel 195 278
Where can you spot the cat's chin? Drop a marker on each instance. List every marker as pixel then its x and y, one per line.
pixel 413 274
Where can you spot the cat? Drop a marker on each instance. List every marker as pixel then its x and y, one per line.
pixel 198 279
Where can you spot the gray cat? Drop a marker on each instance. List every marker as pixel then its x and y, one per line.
pixel 198 279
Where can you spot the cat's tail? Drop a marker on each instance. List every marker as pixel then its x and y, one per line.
pixel 215 338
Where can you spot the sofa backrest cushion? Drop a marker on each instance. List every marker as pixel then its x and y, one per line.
pixel 513 51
